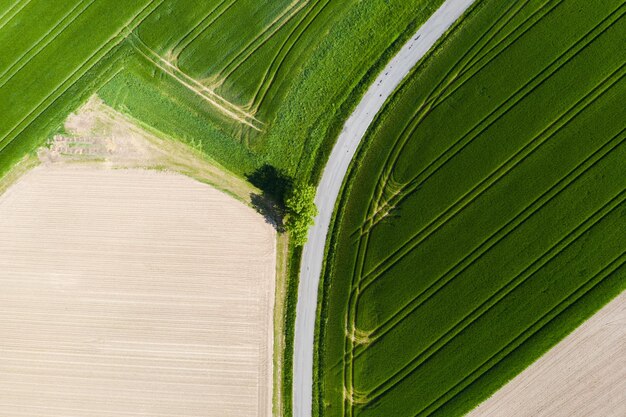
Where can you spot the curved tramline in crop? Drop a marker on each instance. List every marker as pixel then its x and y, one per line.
pixel 282 53
pixel 362 242
pixel 501 170
pixel 257 42
pixel 284 50
pixel 218 102
pixel 203 24
pixel 467 61
pixel 292 15
pixel 383 386
pixel 296 18
pixel 511 226
pixel 449 85
pixel 507 166
pixel 364 281
pixel 373 329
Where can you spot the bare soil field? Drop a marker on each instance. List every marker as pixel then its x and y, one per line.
pixel 584 375
pixel 129 292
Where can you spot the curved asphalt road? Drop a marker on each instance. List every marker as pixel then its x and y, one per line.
pixel 332 179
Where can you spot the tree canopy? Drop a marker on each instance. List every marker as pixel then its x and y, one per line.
pixel 301 211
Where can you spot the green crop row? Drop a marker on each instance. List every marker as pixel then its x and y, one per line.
pixel 66 52
pixel 482 210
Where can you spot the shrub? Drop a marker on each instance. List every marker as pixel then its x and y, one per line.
pixel 301 211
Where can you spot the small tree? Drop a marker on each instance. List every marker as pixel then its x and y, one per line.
pixel 301 212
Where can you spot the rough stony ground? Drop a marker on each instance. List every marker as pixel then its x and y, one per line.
pixel 132 293
pixel 582 376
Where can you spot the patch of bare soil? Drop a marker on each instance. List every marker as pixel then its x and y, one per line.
pixel 132 293
pixel 97 133
pixel 582 376
pixel 128 289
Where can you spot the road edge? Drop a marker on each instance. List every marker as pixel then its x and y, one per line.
pixel 331 182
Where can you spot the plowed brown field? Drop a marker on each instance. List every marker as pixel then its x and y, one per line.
pixel 132 293
pixel 582 376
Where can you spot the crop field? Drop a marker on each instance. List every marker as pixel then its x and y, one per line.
pixel 583 375
pixel 43 66
pixel 257 82
pixel 253 82
pixel 236 63
pixel 483 219
pixel 130 292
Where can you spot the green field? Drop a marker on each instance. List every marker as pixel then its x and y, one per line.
pixel 53 53
pixel 257 82
pixel 484 217
pixel 248 82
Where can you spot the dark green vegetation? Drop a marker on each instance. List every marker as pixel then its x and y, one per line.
pixel 286 203
pixel 301 211
pixel 485 217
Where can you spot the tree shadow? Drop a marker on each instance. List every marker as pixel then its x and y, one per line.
pixel 274 186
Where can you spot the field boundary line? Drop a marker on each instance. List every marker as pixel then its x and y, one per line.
pixel 605 272
pixel 278 60
pixel 222 105
pixel 261 39
pixel 552 253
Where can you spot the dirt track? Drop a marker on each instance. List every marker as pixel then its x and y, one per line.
pixel 132 293
pixel 582 376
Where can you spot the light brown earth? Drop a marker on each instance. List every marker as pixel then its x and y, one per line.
pixel 96 133
pixel 132 293
pixel 582 376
